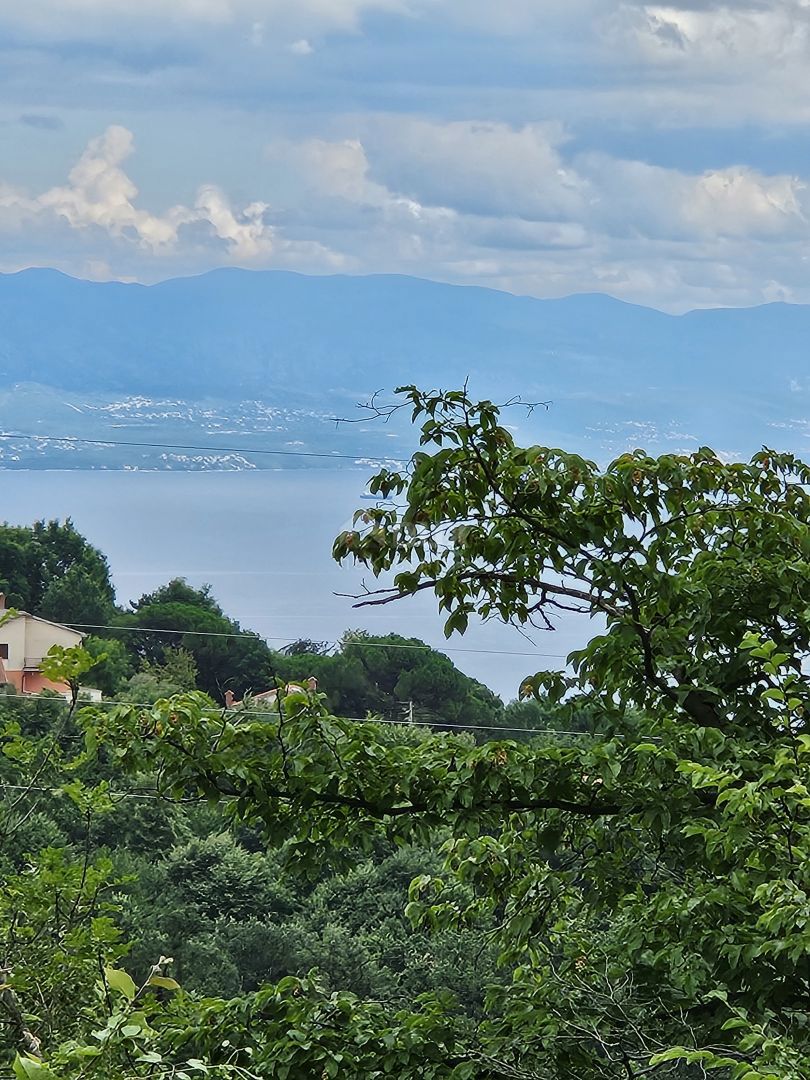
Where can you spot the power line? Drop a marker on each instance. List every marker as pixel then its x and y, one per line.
pixel 205 449
pixel 437 722
pixel 261 637
pixel 112 794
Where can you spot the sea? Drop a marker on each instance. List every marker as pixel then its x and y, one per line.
pixel 262 541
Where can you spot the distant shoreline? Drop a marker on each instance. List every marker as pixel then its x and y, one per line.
pixel 197 472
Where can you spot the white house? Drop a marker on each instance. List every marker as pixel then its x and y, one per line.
pixel 24 643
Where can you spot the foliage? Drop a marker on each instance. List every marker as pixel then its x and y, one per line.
pixel 644 885
pixel 114 665
pixel 68 665
pixel 178 638
pixel 50 570
pixel 67 1007
pixel 226 657
pixel 176 674
pixel 178 887
pixel 307 647
pixel 648 884
pixel 394 677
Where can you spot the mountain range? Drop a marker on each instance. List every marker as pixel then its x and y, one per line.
pixel 73 352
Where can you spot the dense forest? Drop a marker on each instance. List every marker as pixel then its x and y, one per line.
pixel 309 890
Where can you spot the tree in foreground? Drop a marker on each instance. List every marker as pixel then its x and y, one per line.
pixel 647 881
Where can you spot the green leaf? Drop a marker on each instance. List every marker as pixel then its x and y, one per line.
pixel 28 1068
pixel 773 695
pixel 121 981
pixel 674 1053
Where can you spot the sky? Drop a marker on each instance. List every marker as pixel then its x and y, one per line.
pixel 656 152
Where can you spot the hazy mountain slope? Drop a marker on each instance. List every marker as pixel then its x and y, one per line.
pixel 724 376
pixel 234 331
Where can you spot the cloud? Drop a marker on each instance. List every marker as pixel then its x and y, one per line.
pixel 635 198
pixel 615 64
pixel 517 207
pixel 100 195
pixel 726 33
pixel 300 48
pixel 734 28
pixel 340 171
pixel 532 173
pixel 651 149
pixel 520 208
pixel 484 167
pixel 245 234
pixel 518 17
pixel 742 202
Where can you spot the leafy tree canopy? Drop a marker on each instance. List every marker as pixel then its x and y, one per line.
pixel 395 677
pixel 50 570
pixel 226 656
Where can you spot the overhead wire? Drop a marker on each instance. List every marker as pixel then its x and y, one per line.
pixel 331 455
pixel 285 453
pixel 112 794
pixel 437 722
pixel 264 637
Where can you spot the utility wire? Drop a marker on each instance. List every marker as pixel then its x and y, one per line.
pixel 188 446
pixel 262 637
pixel 437 722
pixel 112 794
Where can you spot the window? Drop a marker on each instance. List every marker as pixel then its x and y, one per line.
pixel 3 651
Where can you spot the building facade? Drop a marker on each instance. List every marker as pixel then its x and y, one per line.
pixel 24 643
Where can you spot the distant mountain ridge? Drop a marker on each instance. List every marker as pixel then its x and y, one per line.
pixel 721 374
pixel 235 331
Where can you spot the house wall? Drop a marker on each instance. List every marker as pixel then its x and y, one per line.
pixel 34 682
pixel 41 636
pixel 28 641
pixel 12 634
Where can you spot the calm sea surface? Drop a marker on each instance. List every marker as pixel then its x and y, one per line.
pixel 262 541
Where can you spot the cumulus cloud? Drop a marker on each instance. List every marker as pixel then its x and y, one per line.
pixel 469 181
pixel 246 234
pixel 633 197
pixel 484 167
pixel 99 194
pixel 340 170
pixel 742 202
pixel 531 173
pixel 517 207
pixel 725 33
pixel 521 209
